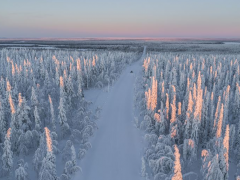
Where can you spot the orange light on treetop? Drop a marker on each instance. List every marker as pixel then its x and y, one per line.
pixel 11 104
pixel 48 139
pixel 8 133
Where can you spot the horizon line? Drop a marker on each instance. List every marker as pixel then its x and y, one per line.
pixel 123 38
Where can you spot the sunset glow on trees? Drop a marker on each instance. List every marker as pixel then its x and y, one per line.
pixel 48 139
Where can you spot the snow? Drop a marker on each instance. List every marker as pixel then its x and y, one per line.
pixel 117 145
pixel 235 43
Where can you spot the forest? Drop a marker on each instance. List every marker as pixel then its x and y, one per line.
pixel 45 121
pixel 187 108
pixel 190 115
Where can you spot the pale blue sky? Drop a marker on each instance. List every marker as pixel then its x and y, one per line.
pixel 123 18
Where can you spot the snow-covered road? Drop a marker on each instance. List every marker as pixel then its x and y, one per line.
pixel 117 144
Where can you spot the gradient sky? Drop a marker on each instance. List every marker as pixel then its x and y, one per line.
pixel 122 18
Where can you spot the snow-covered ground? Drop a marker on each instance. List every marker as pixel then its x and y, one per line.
pixel 117 144
pixel 235 43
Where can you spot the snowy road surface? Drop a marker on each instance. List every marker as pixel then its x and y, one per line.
pixel 116 145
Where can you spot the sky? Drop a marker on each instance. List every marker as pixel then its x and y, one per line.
pixel 122 18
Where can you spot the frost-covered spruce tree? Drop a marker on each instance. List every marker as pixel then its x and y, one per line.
pixel 37 119
pixel 232 137
pixel 63 94
pixel 63 119
pixel 21 171
pixel 79 79
pixel 70 89
pixel 210 166
pixel 238 140
pixel 14 125
pixel 22 114
pixel 143 169
pixel 66 153
pixel 40 152
pixel 189 117
pixel 7 157
pixel 48 169
pixel 25 142
pixel 189 151
pixel 70 166
pixel 204 130
pixel 195 131
pixel 47 83
pixel 52 113
pixel 2 121
pixel 34 100
pixel 57 76
pixel 62 111
pixel 177 165
pixel 15 90
pixel 226 152
pixel 41 69
pixel 2 87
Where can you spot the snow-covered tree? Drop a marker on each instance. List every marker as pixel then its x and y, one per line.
pixel 37 119
pixel 62 118
pixel 7 157
pixel 52 113
pixel 177 165
pixel 48 169
pixel 34 100
pixel 22 114
pixel 70 166
pixel 21 171
pixel 143 169
pixel 2 121
pixel 189 151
